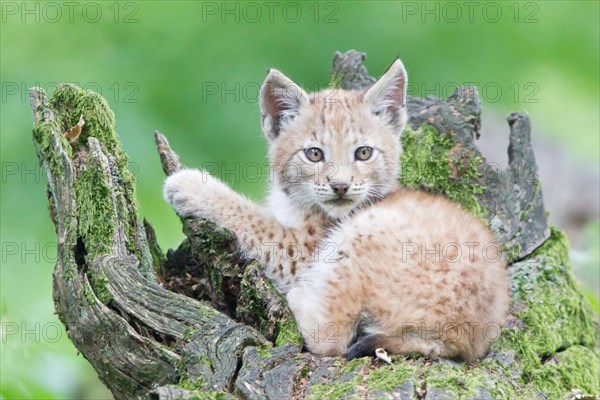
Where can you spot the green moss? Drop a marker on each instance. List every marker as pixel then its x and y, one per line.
pixel 188 332
pixel 555 314
pixel 53 152
pixel 157 255
pixel 555 317
pixel 252 304
pixel 288 333
pixel 97 221
pixel 264 350
pixel 304 372
pixel 71 102
pixel 344 385
pixel 95 185
pixel 89 296
pixel 466 382
pixel 43 134
pixel 252 307
pixel 390 377
pixel 335 390
pixel 197 384
pixel 203 360
pixel 99 282
pixel 216 280
pixel 198 387
pixel 216 247
pixel 457 381
pixel 575 368
pixel 430 160
pixel 199 390
pixel 353 366
pixel 46 150
pixel 494 376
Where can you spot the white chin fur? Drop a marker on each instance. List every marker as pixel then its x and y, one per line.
pixel 337 211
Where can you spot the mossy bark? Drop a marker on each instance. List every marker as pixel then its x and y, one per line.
pixel 215 328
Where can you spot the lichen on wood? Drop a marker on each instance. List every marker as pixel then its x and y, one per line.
pixel 215 328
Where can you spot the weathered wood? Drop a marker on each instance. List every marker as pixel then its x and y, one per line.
pixel 121 320
pixel 228 334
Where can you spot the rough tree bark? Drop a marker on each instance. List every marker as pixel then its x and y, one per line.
pixel 201 322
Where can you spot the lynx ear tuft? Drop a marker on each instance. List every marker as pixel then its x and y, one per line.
pixel 387 97
pixel 280 101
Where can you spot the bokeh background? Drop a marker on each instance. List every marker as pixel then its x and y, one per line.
pixel 192 70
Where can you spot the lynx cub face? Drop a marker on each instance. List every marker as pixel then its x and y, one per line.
pixel 334 149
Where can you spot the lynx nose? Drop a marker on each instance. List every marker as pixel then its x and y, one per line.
pixel 340 188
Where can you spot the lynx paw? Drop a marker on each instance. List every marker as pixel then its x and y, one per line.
pixel 190 191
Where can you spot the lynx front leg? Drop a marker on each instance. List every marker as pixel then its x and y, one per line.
pixel 196 193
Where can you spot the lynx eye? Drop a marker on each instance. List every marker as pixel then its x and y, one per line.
pixel 314 154
pixel 363 153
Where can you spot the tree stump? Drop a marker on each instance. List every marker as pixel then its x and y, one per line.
pixel 202 322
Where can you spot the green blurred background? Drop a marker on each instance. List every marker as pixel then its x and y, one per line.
pixel 192 70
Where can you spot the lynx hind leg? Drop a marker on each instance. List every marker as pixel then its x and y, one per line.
pixel 328 323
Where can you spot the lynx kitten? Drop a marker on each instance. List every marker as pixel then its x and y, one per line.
pixel 364 263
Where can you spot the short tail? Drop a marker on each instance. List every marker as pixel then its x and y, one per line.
pixel 366 346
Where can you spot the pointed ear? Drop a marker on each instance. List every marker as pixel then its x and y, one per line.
pixel 387 97
pixel 280 101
